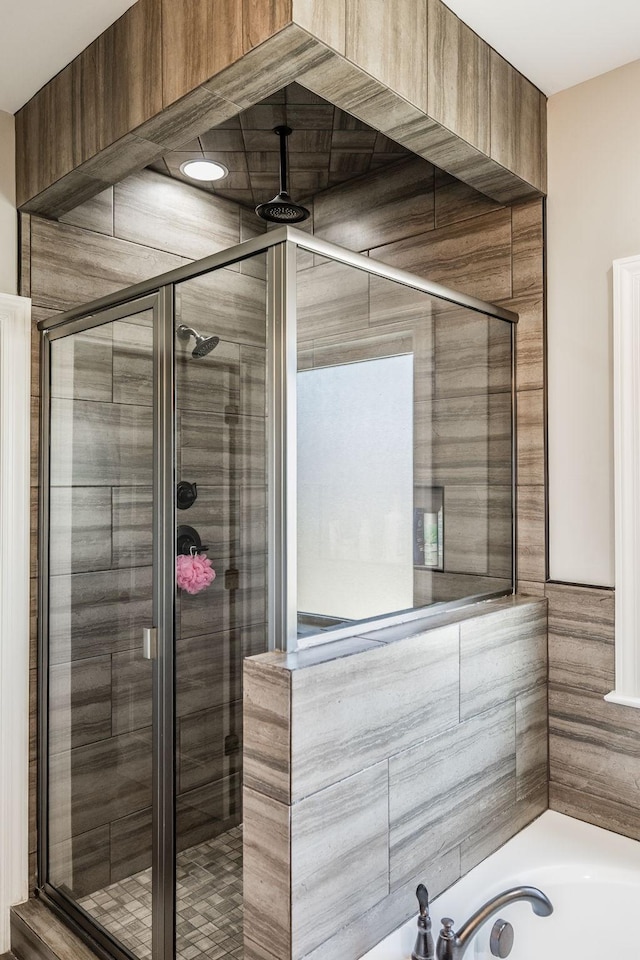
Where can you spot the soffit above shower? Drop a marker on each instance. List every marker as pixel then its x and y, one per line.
pixel 327 147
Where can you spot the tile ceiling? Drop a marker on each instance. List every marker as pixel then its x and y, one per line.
pixel 327 147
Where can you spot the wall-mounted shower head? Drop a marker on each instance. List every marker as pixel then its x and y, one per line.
pixel 204 345
pixel 282 208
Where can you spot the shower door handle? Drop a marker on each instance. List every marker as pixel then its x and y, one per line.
pixel 149 643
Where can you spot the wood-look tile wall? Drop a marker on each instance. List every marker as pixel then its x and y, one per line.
pixel 594 752
pixel 418 218
pixel 101 517
pixel 416 773
pixel 421 220
pixel 167 71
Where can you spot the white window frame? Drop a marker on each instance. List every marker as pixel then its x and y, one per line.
pixel 15 404
pixel 626 431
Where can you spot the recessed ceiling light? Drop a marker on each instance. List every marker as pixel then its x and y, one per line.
pixel 206 170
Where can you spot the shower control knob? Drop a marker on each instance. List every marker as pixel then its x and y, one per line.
pixel 186 495
pixel 501 941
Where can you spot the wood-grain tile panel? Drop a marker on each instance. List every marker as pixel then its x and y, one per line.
pixel 530 436
pixel 98 620
pixel 528 247
pixel 239 315
pixel 531 533
pixel 389 204
pixel 581 635
pixel 441 788
pixel 46 147
pixel 529 588
pixel 502 655
pixel 532 736
pixel 267 724
pixel 367 723
pixel 530 371
pixel 80 529
pixel 71 266
pixel 120 78
pixel 458 76
pixel 472 353
pixel 111 778
pixel 456 200
pixel 324 19
pixel 515 121
pixel 44 935
pixel 95 214
pixel 24 259
pixel 478 536
pixel 267 871
pixel 199 38
pixel 332 299
pixel 260 21
pixel 463 440
pixel 512 817
pixel 389 42
pixel 334 880
pixel 202 757
pixel 100 444
pixel 79 703
pixel 156 212
pixel 472 257
pixel 594 745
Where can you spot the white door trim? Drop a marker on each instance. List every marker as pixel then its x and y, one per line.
pixel 626 433
pixel 15 365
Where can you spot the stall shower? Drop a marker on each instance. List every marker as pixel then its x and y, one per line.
pixel 277 446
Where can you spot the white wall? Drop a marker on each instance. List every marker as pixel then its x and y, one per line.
pixel 593 218
pixel 8 218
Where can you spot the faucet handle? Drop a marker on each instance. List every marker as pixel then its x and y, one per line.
pixel 423 899
pixel 447 932
pixel 424 948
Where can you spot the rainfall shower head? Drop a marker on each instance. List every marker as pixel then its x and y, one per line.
pixel 204 345
pixel 282 208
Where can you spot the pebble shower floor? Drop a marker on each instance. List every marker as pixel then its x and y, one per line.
pixel 208 904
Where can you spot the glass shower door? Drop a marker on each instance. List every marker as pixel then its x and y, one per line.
pixel 100 600
pixel 221 456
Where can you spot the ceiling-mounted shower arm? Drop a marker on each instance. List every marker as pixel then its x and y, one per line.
pixel 282 209
pixel 283 132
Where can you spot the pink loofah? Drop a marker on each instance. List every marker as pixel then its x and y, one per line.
pixel 194 573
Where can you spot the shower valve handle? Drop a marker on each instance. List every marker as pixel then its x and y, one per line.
pixel 186 494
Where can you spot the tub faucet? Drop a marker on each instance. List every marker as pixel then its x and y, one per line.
pixel 452 945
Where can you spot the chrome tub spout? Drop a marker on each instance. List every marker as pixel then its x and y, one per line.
pixel 452 945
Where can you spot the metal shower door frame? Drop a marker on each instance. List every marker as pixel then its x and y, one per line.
pixel 160 302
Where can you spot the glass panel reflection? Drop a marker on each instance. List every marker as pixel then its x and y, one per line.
pixel 404 448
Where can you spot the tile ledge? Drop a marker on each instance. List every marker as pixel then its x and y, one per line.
pixel 384 636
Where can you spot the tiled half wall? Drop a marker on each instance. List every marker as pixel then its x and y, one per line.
pixel 376 763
